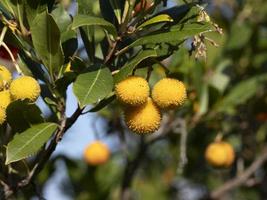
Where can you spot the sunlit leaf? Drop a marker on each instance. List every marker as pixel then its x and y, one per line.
pixel 29 142
pixel 93 86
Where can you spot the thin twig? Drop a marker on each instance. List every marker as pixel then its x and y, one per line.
pixel 132 166
pixel 66 123
pixel 2 43
pixel 12 58
pixel 7 190
pixel 111 52
pixel 166 126
pixel 183 154
pixel 3 33
pixel 131 169
pixel 242 178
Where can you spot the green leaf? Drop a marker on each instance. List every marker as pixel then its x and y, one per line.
pixel 176 34
pixel 11 6
pixel 243 91
pixel 237 40
pixel 62 18
pixel 191 15
pixel 16 7
pixel 33 9
pixel 86 6
pixel 116 9
pixel 29 142
pixel 191 29
pixel 129 66
pixel 103 103
pixel 219 81
pixel 204 100
pixel 85 20
pixel 29 114
pixel 156 19
pixel 69 43
pixel 46 41
pixel 261 133
pixel 92 86
pixel 63 82
pixel 7 9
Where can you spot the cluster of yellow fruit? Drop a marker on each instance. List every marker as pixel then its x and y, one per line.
pixel 22 88
pixel 220 154
pixel 143 113
pixel 96 153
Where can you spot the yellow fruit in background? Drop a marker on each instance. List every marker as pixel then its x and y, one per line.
pixel 143 119
pixel 25 87
pixel 220 154
pixel 133 91
pixel 169 93
pixel 5 98
pixel 5 76
pixel 96 153
pixel 2 115
pixel 230 153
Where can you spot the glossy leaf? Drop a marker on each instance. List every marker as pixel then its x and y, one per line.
pixel 29 114
pixel 129 66
pixel 176 34
pixel 93 86
pixel 85 20
pixel 29 142
pixel 46 41
pixel 157 19
pixel 62 18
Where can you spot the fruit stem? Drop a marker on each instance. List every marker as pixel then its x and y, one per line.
pixel 218 137
pixel 12 58
pixel 2 43
pixel 3 33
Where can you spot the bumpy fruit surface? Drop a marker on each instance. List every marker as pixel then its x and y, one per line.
pixel 143 119
pixel 2 115
pixel 220 154
pixel 25 87
pixel 5 77
pixel 5 98
pixel 169 93
pixel 96 153
pixel 132 91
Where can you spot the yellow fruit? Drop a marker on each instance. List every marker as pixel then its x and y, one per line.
pixel 169 93
pixel 230 154
pixel 5 77
pixel 5 98
pixel 25 87
pixel 143 119
pixel 96 153
pixel 220 154
pixel 133 91
pixel 2 115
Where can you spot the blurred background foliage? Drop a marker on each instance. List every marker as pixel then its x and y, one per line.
pixel 226 97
